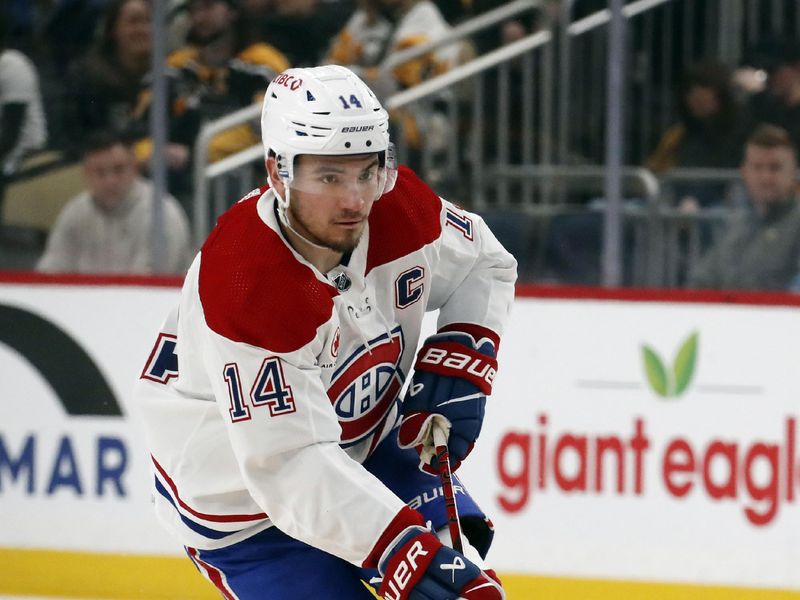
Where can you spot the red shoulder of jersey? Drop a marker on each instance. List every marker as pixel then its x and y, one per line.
pixel 403 221
pixel 253 289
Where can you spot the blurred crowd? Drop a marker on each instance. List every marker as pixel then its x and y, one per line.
pixel 73 70
pixel 76 93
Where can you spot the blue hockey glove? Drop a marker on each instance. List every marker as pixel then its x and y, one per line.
pixel 417 566
pixel 453 375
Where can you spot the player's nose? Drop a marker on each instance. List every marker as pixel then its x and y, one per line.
pixel 353 198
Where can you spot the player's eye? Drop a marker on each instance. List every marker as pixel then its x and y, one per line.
pixel 329 178
pixel 367 175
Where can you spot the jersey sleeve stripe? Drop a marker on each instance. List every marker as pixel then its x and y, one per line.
pixel 211 534
pixel 198 514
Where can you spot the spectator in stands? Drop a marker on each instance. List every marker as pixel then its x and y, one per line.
pixel 215 74
pixel 103 87
pixel 516 137
pixel 301 29
pixel 70 30
pixel 779 103
pixel 380 29
pixel 178 23
pixel 22 120
pixel 761 248
pixel 362 43
pixel 511 30
pixel 108 227
pixel 710 133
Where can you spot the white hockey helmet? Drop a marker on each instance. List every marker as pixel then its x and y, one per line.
pixel 325 110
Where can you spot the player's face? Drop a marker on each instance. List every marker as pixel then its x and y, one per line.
pixel 332 196
pixel 769 175
pixel 110 173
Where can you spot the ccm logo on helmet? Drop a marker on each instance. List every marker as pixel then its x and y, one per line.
pixel 289 81
pixel 357 129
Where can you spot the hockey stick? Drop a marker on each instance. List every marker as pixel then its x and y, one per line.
pixel 443 457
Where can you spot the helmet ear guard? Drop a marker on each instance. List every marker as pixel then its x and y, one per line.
pixel 390 164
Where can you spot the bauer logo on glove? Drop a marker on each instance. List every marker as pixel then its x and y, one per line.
pixel 417 566
pixel 453 375
pixel 449 360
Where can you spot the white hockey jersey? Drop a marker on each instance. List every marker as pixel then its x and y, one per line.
pixel 272 382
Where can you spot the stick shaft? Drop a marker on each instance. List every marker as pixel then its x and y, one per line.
pixel 443 457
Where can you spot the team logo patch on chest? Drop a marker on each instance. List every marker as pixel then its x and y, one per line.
pixel 366 385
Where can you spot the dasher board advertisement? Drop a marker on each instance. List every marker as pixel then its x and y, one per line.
pixel 646 440
pixel 631 437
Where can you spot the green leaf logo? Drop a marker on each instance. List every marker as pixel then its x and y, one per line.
pixel 672 383
pixel 656 373
pixel 683 369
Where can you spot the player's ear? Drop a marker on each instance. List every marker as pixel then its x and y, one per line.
pixel 272 172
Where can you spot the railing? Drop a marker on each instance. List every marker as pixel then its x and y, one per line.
pixel 726 184
pixel 664 37
pixel 650 185
pixel 460 73
pixel 590 181
pixel 568 99
pixel 451 165
pixel 568 32
pixel 505 158
pixel 462 31
pixel 682 238
pixel 602 17
pixel 665 241
pixel 203 173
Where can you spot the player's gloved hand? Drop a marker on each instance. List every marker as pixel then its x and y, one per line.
pixel 453 375
pixel 417 566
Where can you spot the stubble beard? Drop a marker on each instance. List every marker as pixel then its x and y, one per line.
pixel 344 246
pixel 348 244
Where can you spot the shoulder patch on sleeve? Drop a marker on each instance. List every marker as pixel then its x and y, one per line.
pixel 403 221
pixel 252 288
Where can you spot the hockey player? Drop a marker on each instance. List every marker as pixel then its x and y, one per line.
pixel 284 459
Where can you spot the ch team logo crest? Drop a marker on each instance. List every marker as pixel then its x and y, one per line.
pixel 366 386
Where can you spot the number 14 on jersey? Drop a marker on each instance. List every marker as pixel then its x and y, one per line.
pixel 269 389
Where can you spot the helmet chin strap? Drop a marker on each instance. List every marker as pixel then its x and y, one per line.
pixel 283 216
